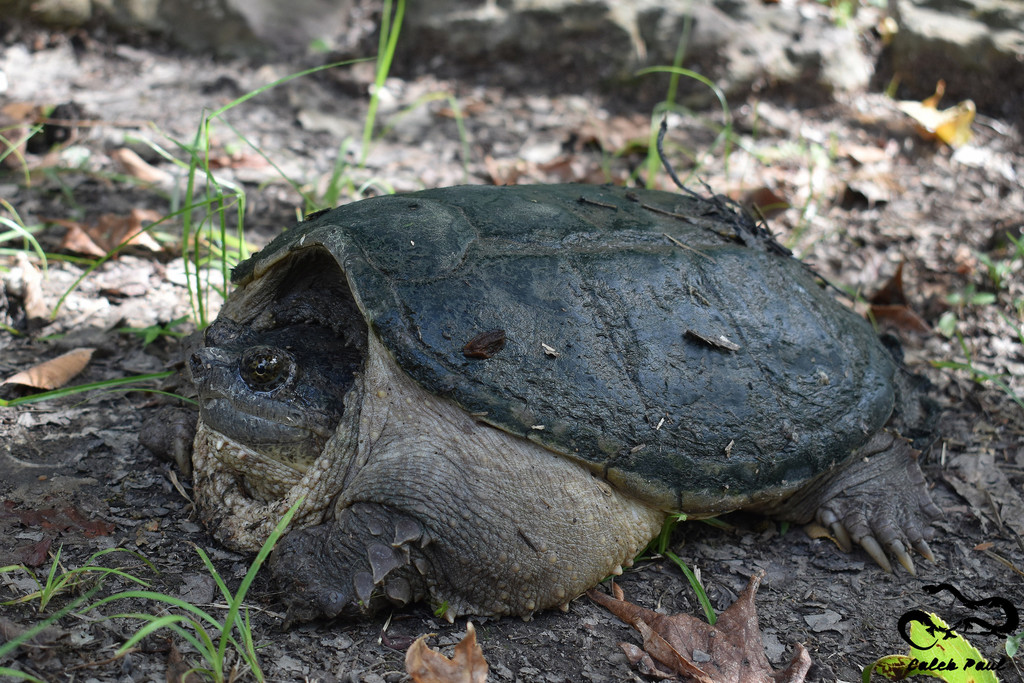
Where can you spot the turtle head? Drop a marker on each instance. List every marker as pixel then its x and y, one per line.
pixel 278 392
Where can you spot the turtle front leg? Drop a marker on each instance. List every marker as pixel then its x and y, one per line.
pixel 438 505
pixel 465 538
pixel 877 499
pixel 366 559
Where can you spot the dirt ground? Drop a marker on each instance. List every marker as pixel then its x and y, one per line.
pixel 867 193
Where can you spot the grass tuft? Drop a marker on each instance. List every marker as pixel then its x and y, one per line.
pixel 210 636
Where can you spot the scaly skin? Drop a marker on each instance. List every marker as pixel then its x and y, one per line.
pixel 877 499
pixel 427 509
pixel 435 505
pixel 413 498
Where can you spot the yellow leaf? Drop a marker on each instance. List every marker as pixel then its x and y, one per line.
pixel 960 661
pixel 952 126
pixel 939 652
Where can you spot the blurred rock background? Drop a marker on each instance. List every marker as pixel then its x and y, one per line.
pixel 803 50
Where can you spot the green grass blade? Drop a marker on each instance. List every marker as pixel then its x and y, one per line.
pixel 390 29
pixel 261 556
pixel 168 621
pixel 161 598
pixel 80 388
pixel 702 596
pixel 20 675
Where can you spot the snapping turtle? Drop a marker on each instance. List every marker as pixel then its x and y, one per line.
pixel 492 397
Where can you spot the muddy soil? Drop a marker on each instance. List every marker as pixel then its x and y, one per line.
pixel 866 194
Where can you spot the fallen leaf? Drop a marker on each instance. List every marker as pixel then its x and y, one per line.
pixel 863 154
pixel 36 554
pixel 54 373
pixel 139 168
pixel 501 174
pixel 765 202
pixel 815 530
pixel 992 495
pixel 719 342
pixel 944 654
pixel 467 664
pixel 900 317
pixel 643 662
pixel 237 160
pixel 109 232
pixel 16 119
pixel 26 112
pixel 731 650
pixel 952 126
pixel 616 135
pixel 31 286
pixel 892 292
pixel 179 670
pixel 485 345
pixel 869 187
pixel 889 305
pixel 57 519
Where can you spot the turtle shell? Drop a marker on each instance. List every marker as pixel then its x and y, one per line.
pixel 662 340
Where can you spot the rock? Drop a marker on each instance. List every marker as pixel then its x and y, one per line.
pixel 579 46
pixel 739 44
pixel 976 46
pixel 743 46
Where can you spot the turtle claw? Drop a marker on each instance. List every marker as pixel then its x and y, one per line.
pixel 877 554
pixel 341 568
pixel 842 538
pixel 922 547
pixel 899 551
pixel 856 501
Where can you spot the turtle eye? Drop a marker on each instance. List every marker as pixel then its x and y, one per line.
pixel 265 368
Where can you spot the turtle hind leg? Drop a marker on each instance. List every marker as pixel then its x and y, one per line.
pixel 877 499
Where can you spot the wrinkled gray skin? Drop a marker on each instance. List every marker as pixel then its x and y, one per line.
pixel 663 355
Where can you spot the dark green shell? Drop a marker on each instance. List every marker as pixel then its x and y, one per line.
pixel 696 366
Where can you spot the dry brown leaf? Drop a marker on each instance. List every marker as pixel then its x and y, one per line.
pixel 501 174
pixel 108 232
pixel 815 530
pixel 574 168
pixel 27 112
pixel 237 160
pixel 467 664
pixel 870 186
pixel 31 288
pixel 59 519
pixel 863 154
pixel 139 168
pixel 900 317
pixel 617 135
pixel 53 373
pixel 991 494
pixel 639 658
pixel 889 305
pixel 952 126
pixel 16 119
pixel 733 647
pixel 891 293
pixel 766 202
pixel 178 670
